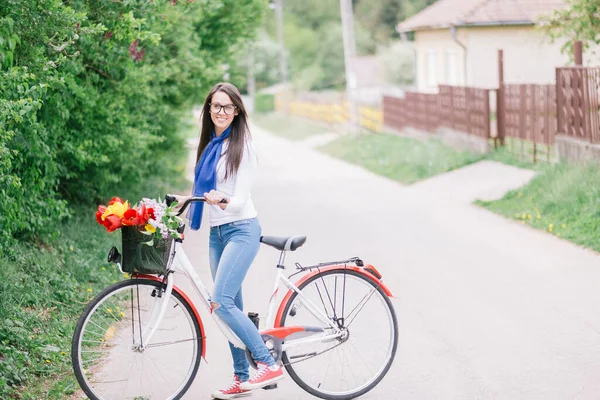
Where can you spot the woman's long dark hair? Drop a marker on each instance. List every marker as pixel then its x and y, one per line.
pixel 239 128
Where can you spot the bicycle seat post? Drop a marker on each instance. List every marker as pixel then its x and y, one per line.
pixel 281 260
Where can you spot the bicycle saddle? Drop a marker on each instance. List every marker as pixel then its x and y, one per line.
pixel 290 243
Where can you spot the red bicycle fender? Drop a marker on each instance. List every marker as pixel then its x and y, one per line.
pixel 378 282
pixel 185 297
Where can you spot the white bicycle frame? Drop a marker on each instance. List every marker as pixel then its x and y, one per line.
pixel 181 264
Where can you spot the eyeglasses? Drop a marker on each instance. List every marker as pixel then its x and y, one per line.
pixel 216 108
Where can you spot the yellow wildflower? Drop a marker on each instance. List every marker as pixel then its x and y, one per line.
pixel 564 226
pixel 89 290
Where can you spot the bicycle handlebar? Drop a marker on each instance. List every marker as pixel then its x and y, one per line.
pixel 170 199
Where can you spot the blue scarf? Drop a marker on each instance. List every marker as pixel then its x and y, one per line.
pixel 205 177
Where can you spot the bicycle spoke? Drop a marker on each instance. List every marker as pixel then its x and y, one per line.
pixel 149 346
pixel 335 293
pixel 109 362
pixel 322 301
pixel 329 298
pixel 363 305
pixel 344 298
pixel 351 371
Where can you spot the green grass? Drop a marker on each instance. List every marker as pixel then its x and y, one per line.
pixel 563 200
pixel 45 285
pixel 44 288
pixel 403 159
pixel 288 126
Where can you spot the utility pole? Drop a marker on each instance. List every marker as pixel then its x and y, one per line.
pixel 282 63
pixel 349 56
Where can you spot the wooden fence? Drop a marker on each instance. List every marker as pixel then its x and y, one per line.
pixel 528 116
pixel 577 98
pixel 528 113
pixel 463 109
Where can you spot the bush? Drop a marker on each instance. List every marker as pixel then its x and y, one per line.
pixel 264 103
pixel 91 97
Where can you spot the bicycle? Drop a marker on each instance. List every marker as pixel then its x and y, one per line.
pixel 143 338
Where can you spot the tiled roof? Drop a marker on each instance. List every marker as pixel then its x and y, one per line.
pixel 445 13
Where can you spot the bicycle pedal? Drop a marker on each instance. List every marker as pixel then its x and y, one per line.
pixel 270 387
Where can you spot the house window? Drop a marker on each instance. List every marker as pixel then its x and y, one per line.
pixel 451 68
pixel 431 69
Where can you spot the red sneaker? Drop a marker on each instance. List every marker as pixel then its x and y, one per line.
pixel 264 377
pixel 232 392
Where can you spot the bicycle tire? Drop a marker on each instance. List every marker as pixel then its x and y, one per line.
pixel 290 365
pixel 76 356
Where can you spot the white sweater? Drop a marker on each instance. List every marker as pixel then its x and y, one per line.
pixel 236 188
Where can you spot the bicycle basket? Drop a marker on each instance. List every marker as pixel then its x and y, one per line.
pixel 141 257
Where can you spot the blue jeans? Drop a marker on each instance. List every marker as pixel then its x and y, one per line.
pixel 233 247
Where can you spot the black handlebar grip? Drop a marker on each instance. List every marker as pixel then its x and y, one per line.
pixel 170 199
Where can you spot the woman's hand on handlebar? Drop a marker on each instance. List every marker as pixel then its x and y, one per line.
pixel 214 197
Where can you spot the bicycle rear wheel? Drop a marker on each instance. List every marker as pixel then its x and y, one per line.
pixel 106 355
pixel 355 363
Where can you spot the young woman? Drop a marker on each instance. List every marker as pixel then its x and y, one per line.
pixel 225 168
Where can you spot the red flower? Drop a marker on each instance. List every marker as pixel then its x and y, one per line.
pixel 151 212
pixel 101 210
pixel 143 216
pixel 115 200
pixel 130 218
pixel 112 222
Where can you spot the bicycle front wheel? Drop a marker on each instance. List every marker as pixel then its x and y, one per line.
pixel 108 357
pixel 348 366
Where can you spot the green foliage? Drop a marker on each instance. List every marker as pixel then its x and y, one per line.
pixel 93 100
pixel 580 20
pixel 45 286
pixel 398 63
pixel 264 103
pixel 380 17
pixel 265 63
pixel 92 94
pixel 43 290
pixel 562 200
pixel 314 42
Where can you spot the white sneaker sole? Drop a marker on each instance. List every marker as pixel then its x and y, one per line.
pixel 222 396
pixel 250 386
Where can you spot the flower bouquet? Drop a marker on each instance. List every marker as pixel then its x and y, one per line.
pixel 147 232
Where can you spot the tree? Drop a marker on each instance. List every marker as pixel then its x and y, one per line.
pixel 580 20
pixel 91 95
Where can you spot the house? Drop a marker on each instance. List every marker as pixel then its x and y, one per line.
pixel 457 42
